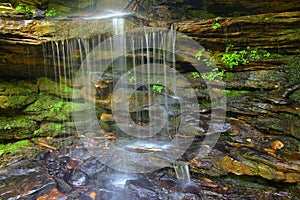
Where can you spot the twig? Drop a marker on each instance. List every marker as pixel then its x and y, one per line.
pixel 44 145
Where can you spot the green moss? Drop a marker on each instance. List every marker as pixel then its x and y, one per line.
pixel 291 116
pixel 57 107
pixel 21 126
pixel 235 93
pixel 49 86
pixel 51 129
pixel 52 108
pixel 229 76
pixel 292 33
pixel 295 96
pixel 16 102
pixel 48 107
pixel 6 149
pixel 206 103
pixel 11 89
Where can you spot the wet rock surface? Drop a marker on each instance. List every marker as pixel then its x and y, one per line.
pixel 25 180
pixel 72 173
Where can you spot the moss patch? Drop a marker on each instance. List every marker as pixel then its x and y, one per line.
pixel 51 108
pixel 50 129
pixel 10 89
pixel 235 93
pixel 10 148
pixel 16 102
pixel 49 86
pixel 15 97
pixel 295 96
pixel 21 127
pixel 48 108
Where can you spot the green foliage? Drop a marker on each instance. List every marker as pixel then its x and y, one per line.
pixel 51 13
pixel 267 55
pixel 292 71
pixel 158 87
pixel 7 127
pixel 26 9
pixel 235 58
pixel 29 11
pixel 196 75
pixel 199 54
pixel 209 61
pixel 213 75
pixel 295 96
pixel 216 24
pixel 230 58
pixel 19 8
pixel 132 79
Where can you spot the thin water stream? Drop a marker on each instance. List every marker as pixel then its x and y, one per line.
pixel 143 79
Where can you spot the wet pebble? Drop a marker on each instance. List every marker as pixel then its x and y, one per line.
pixel 92 167
pixel 141 189
pixel 79 179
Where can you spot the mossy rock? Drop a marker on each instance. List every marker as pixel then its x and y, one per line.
pixel 14 89
pixel 47 107
pixel 11 148
pixel 17 127
pixel 54 129
pixel 15 102
pixel 16 96
pixel 52 108
pixel 49 86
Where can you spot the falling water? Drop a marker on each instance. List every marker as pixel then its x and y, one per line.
pixel 153 50
pixel 182 170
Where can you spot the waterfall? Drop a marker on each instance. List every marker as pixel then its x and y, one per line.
pixel 182 170
pixel 118 25
pixel 131 77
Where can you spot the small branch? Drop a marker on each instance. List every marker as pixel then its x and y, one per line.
pixel 44 145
